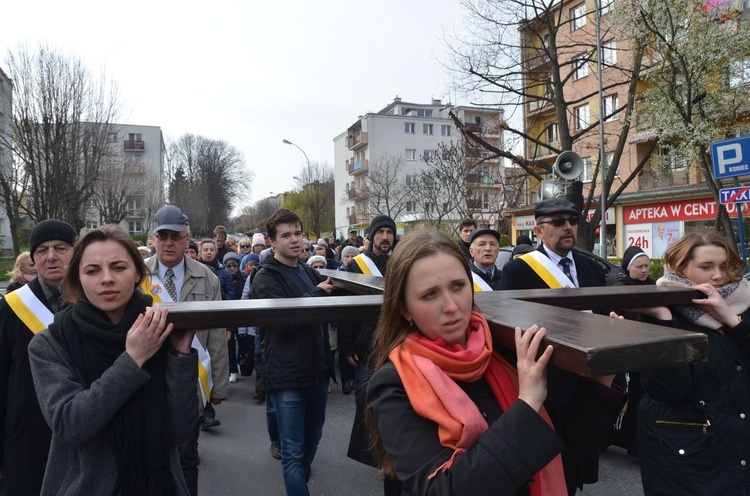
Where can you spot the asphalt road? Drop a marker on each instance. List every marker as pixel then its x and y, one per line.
pixel 235 456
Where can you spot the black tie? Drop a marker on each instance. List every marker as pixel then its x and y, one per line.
pixel 565 264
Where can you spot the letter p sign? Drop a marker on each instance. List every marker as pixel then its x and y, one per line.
pixel 730 157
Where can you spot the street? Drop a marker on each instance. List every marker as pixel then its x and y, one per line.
pixel 235 456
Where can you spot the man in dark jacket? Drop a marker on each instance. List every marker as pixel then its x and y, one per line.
pixel 356 339
pixel 24 434
pixel 484 248
pixel 555 259
pixel 464 234
pixel 297 360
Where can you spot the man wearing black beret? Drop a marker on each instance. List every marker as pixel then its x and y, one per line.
pixel 556 264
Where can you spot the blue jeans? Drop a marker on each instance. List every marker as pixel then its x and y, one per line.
pixel 300 414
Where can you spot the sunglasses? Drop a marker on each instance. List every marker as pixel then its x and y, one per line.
pixel 244 246
pixel 561 222
pixel 306 249
pixel 232 265
pixel 165 235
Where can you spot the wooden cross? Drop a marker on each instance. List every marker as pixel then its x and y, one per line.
pixel 586 344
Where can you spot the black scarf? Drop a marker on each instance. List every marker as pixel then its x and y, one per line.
pixel 139 432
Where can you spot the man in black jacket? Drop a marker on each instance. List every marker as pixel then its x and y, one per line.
pixel 465 229
pixel 24 434
pixel 296 356
pixel 484 245
pixel 555 263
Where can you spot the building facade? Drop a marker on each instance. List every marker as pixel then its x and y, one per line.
pixel 6 156
pixel 668 195
pixel 385 151
pixel 133 169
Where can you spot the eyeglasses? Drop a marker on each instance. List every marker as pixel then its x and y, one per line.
pixel 306 249
pixel 174 236
pixel 561 222
pixel 232 265
pixel 244 246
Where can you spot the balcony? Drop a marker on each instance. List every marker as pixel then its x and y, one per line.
pixel 357 141
pixel 133 146
pixel 358 167
pixel 134 212
pixel 358 193
pixel 650 180
pixel 359 219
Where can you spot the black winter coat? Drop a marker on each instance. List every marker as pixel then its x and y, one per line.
pixel 517 444
pixel 694 420
pixel 24 434
pixel 289 349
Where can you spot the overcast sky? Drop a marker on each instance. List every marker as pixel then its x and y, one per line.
pixel 252 73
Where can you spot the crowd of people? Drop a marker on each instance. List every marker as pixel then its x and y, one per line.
pixel 96 390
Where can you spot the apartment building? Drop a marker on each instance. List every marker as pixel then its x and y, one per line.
pixel 668 196
pixel 6 158
pixel 135 162
pixel 401 137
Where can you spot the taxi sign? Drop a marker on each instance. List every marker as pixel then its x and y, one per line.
pixel 734 195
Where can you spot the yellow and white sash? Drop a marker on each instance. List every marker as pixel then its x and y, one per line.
pixel 155 287
pixel 29 309
pixel 367 266
pixel 548 271
pixel 479 283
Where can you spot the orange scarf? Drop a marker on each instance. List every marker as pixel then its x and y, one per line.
pixel 428 370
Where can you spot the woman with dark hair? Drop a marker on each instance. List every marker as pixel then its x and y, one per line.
pixel 452 415
pixel 115 383
pixel 693 431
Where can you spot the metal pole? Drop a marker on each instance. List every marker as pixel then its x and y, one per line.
pixel 602 154
pixel 307 185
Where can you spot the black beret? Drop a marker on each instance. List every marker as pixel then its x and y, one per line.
pixel 485 230
pixel 51 230
pixel 555 206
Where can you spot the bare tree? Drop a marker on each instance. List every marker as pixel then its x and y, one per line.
pixel 314 202
pixel 525 52
pixel 62 115
pixel 115 187
pixel 255 216
pixel 386 190
pixel 204 182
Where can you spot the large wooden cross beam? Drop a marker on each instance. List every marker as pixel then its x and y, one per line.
pixel 585 343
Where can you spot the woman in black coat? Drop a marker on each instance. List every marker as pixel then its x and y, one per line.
pixel 694 436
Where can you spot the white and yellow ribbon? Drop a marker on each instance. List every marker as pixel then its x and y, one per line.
pixel 27 307
pixel 367 266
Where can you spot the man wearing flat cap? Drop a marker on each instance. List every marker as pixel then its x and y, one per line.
pixel 177 277
pixel 484 246
pixel 555 263
pixel 24 434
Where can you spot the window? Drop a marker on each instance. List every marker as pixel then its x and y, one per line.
pixel 673 160
pixel 610 106
pixel 445 130
pixel 411 179
pixel 409 127
pixel 609 53
pixel 427 155
pixel 582 116
pixel 739 73
pixel 580 66
pixel 135 137
pixel 609 157
pixel 578 16
pixel 552 133
pixel 92 224
pixel 586 174
pixel 410 206
pixel 424 112
pixel 111 136
pixel 135 227
pixel 411 154
pixel 427 128
pixel 348 211
pixel 606 6
pixel 134 207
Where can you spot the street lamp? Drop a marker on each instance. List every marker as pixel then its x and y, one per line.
pixel 306 186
